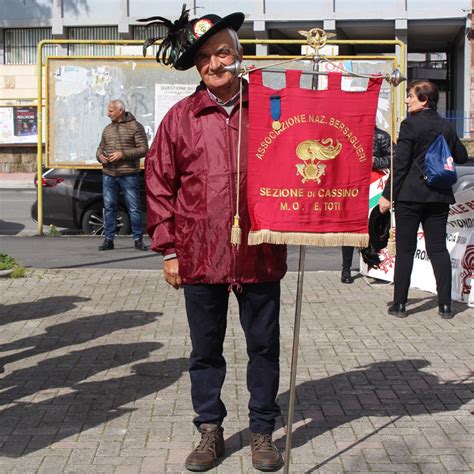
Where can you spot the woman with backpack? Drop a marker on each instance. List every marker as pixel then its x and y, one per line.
pixel 417 202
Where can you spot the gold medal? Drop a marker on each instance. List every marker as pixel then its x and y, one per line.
pixel 276 125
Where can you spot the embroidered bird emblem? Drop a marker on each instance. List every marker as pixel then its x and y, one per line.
pixel 312 152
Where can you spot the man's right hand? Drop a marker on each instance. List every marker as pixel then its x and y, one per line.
pixel 103 159
pixel 171 272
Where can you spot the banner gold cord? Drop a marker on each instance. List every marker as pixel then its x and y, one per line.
pixel 236 232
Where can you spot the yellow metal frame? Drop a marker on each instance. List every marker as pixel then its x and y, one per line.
pixel 50 59
pixel 28 104
pixel 43 43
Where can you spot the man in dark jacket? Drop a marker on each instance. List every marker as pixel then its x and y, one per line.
pixel 122 145
pixel 191 173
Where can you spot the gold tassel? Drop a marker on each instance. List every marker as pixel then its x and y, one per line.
pixel 236 233
pixel 391 247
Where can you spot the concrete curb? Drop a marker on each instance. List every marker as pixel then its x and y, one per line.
pixel 19 186
pixel 17 181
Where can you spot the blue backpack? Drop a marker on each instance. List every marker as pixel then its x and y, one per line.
pixel 439 169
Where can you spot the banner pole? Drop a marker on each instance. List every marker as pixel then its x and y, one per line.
pixel 297 324
pixel 294 359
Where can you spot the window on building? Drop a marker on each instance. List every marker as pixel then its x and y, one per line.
pixel 143 33
pixel 92 33
pixel 21 45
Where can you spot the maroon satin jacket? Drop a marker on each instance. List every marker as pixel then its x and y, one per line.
pixel 191 173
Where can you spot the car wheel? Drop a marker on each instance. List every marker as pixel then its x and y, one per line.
pixel 93 221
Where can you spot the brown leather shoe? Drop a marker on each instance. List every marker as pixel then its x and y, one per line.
pixel 209 449
pixel 265 455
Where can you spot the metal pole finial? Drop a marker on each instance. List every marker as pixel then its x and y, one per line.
pixel 396 77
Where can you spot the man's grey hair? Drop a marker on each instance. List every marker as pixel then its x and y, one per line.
pixel 118 103
pixel 235 39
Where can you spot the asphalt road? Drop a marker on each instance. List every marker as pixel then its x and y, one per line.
pixel 15 211
pixel 18 239
pixel 81 251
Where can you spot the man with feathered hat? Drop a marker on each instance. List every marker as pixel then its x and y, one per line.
pixel 191 174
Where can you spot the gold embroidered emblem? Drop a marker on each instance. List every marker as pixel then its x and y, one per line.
pixel 312 152
pixel 201 27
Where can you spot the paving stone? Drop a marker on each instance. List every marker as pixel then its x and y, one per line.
pixel 95 378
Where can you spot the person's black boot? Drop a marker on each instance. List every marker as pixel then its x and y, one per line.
pixel 107 245
pixel 346 276
pixel 444 310
pixel 139 245
pixel 398 310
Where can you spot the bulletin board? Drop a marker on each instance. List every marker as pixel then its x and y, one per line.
pixel 79 89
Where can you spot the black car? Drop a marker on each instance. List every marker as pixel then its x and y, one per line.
pixel 73 199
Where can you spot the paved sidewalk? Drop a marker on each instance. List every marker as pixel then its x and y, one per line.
pixel 17 180
pixel 94 378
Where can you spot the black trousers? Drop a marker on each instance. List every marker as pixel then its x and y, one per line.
pixel 259 308
pixel 433 217
pixel 347 253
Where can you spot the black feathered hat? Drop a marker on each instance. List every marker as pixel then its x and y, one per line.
pixel 370 256
pixel 379 228
pixel 186 36
pixel 379 231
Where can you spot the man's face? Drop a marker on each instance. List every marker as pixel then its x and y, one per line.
pixel 218 51
pixel 114 112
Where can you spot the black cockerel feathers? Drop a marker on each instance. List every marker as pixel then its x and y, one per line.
pixel 178 38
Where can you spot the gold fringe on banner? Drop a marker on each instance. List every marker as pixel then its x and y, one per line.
pixel 266 236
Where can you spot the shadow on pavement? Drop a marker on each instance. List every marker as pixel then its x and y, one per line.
pixel 30 426
pixel 419 305
pixel 77 331
pixel 10 228
pixel 385 389
pixel 38 309
pixel 144 255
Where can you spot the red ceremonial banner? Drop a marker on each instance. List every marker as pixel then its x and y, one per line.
pixel 309 162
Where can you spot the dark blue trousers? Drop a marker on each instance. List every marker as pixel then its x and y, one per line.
pixel 259 307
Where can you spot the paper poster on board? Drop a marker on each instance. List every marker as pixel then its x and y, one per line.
pixel 25 124
pixel 6 124
pixel 18 125
pixel 166 95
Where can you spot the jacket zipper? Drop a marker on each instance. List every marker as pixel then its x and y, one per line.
pixel 233 201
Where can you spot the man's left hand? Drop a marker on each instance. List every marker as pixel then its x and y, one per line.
pixel 115 156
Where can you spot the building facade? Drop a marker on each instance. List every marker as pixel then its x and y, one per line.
pixel 436 33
